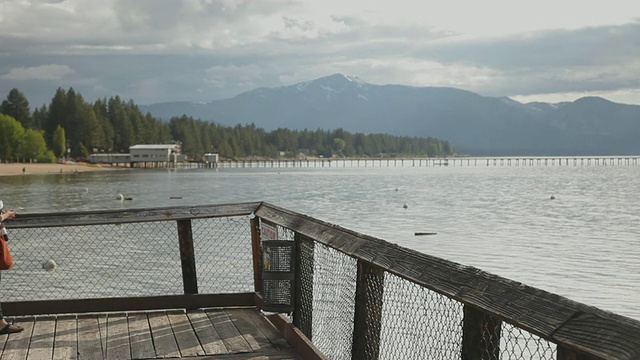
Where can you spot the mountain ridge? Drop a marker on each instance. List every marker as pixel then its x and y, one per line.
pixel 473 123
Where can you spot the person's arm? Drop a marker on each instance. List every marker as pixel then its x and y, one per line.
pixel 7 215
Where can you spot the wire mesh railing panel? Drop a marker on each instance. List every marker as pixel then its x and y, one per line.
pixel 418 323
pixel 285 234
pixel 334 288
pixel 303 315
pixel 517 344
pixel 224 259
pixel 93 261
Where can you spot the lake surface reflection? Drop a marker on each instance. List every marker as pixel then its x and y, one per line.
pixel 583 244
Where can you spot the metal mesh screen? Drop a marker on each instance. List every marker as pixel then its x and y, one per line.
pixel 136 259
pixel 94 261
pixel 418 323
pixel 516 343
pixel 223 254
pixel 303 316
pixel 334 288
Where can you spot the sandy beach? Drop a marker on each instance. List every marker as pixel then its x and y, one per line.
pixel 69 167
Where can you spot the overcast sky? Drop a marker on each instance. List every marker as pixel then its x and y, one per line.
pixel 200 50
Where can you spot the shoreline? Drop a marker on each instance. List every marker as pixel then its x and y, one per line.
pixel 13 169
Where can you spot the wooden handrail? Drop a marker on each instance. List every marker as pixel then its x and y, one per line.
pixel 59 219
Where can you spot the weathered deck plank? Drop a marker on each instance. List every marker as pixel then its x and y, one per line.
pixel 203 334
pixel 118 346
pixel 89 339
pixel 209 337
pixel 41 346
pixel 272 334
pixel 254 337
pixel 65 338
pixel 17 345
pixel 185 334
pixel 231 337
pixel 140 337
pixel 163 339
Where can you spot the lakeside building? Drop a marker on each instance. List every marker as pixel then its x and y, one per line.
pixel 154 155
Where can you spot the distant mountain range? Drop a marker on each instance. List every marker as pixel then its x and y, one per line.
pixel 473 124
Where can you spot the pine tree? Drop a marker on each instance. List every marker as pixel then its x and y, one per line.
pixel 17 106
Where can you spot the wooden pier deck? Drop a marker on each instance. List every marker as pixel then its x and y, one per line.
pixel 234 333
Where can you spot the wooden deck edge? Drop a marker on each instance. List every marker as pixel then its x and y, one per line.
pixel 72 306
pixel 303 346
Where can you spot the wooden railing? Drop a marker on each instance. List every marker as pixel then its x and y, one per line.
pixel 182 216
pixel 578 330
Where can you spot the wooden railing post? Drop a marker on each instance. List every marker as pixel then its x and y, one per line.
pixel 255 248
pixel 303 298
pixel 480 335
pixel 187 257
pixel 367 322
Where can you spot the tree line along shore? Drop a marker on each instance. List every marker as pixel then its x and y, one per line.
pixel 70 127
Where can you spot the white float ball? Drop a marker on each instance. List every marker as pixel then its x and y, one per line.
pixel 49 265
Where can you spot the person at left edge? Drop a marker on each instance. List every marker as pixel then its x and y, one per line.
pixel 5 327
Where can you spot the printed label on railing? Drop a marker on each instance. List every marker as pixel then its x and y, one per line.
pixel 268 232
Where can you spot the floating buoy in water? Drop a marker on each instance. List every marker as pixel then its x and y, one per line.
pixel 405 206
pixel 49 265
pixel 552 197
pixel 396 189
pixel 122 198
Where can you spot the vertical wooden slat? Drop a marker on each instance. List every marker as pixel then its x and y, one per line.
pixel 303 296
pixel 102 323
pixel 251 333
pixel 480 335
pixel 163 339
pixel 209 337
pixel 17 344
pixel 267 329
pixel 186 337
pixel 66 340
pixel 140 337
pixel 231 337
pixel 41 346
pixel 255 248
pixel 118 346
pixel 368 312
pixel 187 257
pixel 89 342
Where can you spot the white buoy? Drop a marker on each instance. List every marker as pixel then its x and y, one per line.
pixel 120 197
pixel 49 265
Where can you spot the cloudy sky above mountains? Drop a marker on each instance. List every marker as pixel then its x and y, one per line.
pixel 200 50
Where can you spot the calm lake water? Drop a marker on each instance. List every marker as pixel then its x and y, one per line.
pixel 583 244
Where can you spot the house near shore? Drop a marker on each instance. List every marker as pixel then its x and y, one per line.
pixel 154 155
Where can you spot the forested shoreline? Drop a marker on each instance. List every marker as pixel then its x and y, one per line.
pixel 72 127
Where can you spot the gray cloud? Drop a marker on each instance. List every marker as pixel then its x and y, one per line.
pixel 43 72
pixel 201 50
pixel 582 47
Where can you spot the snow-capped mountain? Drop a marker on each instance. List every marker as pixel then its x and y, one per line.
pixel 473 123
